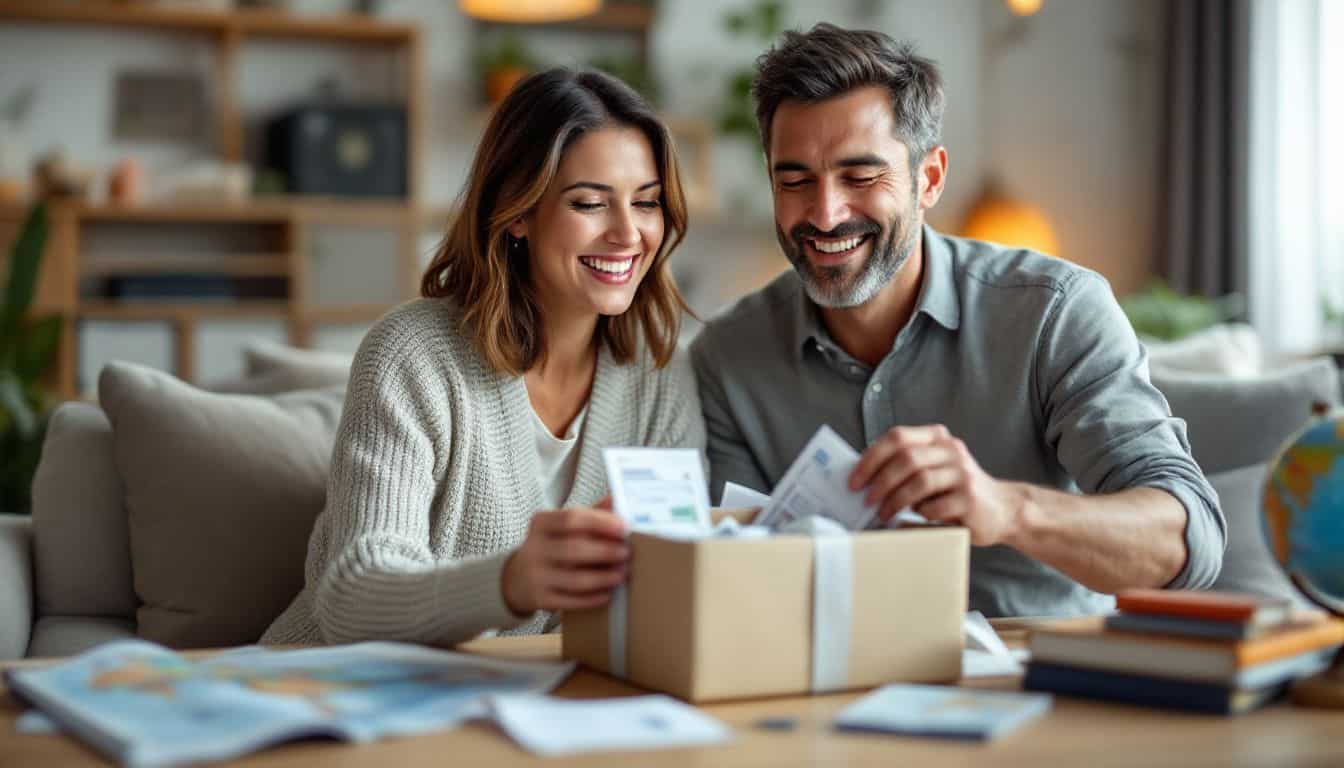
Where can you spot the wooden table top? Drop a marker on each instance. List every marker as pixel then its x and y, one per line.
pixel 1076 732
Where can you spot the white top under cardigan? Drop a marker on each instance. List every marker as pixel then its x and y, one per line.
pixel 435 475
pixel 557 458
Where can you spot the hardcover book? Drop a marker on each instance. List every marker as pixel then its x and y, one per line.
pixel 1214 606
pixel 1149 691
pixel 1236 663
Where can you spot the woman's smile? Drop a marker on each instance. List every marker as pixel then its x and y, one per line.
pixel 610 269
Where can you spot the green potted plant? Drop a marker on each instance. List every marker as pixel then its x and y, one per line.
pixel 1161 313
pixel 762 23
pixel 27 347
pixel 502 65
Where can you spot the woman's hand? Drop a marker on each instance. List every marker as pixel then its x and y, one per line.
pixel 572 559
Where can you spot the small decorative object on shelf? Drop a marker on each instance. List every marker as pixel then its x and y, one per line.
pixel 57 176
pixel 126 185
pixel 502 65
pixel 340 149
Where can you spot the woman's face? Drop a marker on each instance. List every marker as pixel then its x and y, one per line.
pixel 596 230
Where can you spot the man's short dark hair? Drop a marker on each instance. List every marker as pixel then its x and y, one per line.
pixel 828 61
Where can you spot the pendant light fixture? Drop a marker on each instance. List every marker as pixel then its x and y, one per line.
pixel 529 11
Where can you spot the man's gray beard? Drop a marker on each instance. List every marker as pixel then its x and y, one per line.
pixel 826 288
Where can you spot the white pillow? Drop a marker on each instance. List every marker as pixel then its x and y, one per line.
pixel 1230 349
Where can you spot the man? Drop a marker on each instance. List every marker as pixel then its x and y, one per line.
pixel 994 388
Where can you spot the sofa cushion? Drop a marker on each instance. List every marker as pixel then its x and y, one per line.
pixel 221 494
pixel 271 368
pixel 1235 423
pixel 1227 349
pixel 81 543
pixel 68 635
pixel 1248 565
pixel 16 585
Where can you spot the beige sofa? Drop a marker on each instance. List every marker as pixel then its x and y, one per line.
pixel 175 512
pixel 182 515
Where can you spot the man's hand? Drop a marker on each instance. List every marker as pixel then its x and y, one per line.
pixel 929 470
pixel 572 559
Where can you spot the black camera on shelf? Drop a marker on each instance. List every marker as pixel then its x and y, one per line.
pixel 340 150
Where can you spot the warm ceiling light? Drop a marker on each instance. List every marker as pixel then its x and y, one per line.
pixel 1024 7
pixel 529 11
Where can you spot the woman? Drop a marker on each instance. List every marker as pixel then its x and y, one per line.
pixel 469 455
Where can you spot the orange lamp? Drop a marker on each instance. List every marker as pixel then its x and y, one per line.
pixel 529 11
pixel 1025 7
pixel 1001 219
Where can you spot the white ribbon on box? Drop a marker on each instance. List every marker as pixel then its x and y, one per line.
pixel 832 596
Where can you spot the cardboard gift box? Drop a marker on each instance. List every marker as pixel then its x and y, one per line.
pixel 725 618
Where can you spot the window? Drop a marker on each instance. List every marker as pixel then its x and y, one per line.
pixel 1297 174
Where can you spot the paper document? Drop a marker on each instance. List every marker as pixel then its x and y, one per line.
pixel 741 497
pixel 549 726
pixel 985 654
pixel 927 710
pixel 817 484
pixel 657 487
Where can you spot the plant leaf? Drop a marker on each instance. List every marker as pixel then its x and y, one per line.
pixel 24 260
pixel 14 399
pixel 36 347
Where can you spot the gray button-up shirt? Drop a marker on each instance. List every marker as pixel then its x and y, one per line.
pixel 1028 359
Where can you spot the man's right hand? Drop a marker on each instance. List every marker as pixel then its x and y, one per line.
pixel 572 559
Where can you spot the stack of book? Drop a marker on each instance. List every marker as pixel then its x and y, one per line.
pixel 1200 651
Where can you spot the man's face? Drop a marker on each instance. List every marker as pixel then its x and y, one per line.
pixel 847 208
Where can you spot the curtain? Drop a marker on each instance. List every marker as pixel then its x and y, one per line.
pixel 1296 220
pixel 1203 215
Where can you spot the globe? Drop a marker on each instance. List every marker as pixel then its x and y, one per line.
pixel 1303 523
pixel 1303 518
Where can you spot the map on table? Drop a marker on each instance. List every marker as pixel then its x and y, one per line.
pixel 145 705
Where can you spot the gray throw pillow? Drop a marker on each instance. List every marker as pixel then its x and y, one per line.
pixel 271 368
pixel 1235 423
pixel 221 495
pixel 1248 565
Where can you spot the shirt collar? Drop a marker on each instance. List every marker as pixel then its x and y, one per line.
pixel 938 296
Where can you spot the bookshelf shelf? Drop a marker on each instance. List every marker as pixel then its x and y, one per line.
pixel 241 265
pixel 278 210
pixel 243 22
pixel 153 310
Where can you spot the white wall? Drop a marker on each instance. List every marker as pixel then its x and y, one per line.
pixel 1076 125
pixel 1067 114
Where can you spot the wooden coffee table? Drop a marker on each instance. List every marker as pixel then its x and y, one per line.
pixel 1075 733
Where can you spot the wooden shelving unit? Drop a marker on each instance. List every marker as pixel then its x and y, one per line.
pixel 67 264
pixel 244 21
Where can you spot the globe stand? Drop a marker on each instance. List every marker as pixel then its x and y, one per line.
pixel 1324 690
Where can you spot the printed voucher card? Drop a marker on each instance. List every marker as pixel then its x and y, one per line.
pixel 658 487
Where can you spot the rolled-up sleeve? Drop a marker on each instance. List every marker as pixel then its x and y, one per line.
pixel 1109 426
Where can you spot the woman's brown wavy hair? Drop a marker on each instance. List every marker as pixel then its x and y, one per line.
pixel 515 163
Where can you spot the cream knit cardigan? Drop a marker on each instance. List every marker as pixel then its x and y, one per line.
pixel 434 478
